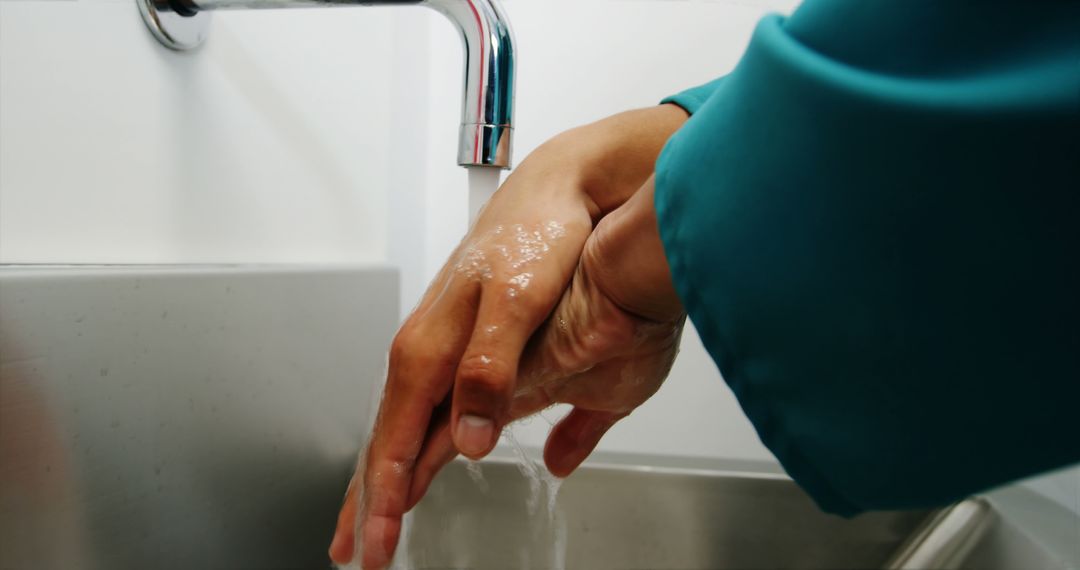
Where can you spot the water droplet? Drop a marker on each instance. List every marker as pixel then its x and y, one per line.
pixel 521 280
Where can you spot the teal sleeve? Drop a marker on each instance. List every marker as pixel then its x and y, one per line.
pixel 874 223
pixel 692 99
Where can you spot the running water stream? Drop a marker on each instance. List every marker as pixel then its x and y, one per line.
pixel 483 182
pixel 548 523
pixel 543 486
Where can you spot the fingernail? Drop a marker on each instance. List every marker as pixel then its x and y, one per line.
pixel 474 434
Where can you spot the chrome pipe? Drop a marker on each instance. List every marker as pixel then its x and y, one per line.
pixel 487 111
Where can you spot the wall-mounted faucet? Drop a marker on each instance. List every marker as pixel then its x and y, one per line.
pixel 487 110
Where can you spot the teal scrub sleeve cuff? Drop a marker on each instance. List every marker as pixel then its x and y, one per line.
pixel 881 257
pixel 692 99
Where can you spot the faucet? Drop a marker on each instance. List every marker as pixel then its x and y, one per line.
pixel 487 108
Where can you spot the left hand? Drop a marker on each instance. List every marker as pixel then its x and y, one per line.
pixel 606 348
pixel 611 340
pixel 453 365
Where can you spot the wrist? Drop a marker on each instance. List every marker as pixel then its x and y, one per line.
pixel 626 260
pixel 608 160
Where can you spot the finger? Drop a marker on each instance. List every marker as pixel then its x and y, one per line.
pixel 438 450
pixel 575 437
pixel 341 548
pixel 422 363
pixel 387 479
pixel 487 373
pixel 414 389
pixel 379 536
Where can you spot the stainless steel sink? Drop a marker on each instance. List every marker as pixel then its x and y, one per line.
pixel 209 417
pixel 611 516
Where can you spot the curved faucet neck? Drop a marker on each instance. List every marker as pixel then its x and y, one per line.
pixel 488 94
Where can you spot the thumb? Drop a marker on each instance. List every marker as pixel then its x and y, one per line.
pixel 575 437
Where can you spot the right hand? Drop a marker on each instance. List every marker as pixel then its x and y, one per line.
pixel 611 340
pixel 453 365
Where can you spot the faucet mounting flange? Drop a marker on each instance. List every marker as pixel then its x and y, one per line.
pixel 172 29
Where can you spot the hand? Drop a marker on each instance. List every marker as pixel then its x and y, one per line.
pixel 453 365
pixel 611 340
pixel 607 347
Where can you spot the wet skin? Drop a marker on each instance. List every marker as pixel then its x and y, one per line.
pixel 559 293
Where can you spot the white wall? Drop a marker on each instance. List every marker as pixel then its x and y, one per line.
pixel 329 136
pixel 269 144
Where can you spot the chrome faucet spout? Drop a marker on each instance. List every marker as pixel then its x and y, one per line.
pixel 487 125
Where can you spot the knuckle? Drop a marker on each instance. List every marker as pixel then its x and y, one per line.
pixel 535 303
pixel 483 379
pixel 413 348
pixel 530 304
pixel 415 366
pixel 484 371
pixel 403 346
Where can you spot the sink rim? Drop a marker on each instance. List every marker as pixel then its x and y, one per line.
pixel 944 539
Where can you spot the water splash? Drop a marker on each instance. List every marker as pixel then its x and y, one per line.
pixel 529 469
pixel 542 485
pixel 477 475
pixel 558 410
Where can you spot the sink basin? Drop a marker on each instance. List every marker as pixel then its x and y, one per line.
pixel 196 417
pixel 617 516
